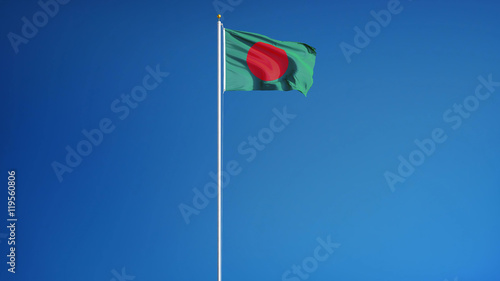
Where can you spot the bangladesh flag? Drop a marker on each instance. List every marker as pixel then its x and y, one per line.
pixel 257 62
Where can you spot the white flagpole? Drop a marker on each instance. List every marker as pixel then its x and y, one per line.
pixel 219 157
pixel 223 59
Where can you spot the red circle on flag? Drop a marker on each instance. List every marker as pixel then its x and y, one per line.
pixel 266 61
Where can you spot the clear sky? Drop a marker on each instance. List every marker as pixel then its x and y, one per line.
pixel 388 170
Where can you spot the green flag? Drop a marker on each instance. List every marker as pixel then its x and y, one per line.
pixel 257 62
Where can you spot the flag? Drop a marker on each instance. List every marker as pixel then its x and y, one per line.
pixel 257 62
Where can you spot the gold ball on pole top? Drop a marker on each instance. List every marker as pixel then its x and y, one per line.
pixel 219 16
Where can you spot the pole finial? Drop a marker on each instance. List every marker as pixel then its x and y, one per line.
pixel 219 16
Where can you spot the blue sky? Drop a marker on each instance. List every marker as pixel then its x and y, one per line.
pixel 388 170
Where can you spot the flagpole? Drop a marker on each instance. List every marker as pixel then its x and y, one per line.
pixel 219 156
pixel 224 59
